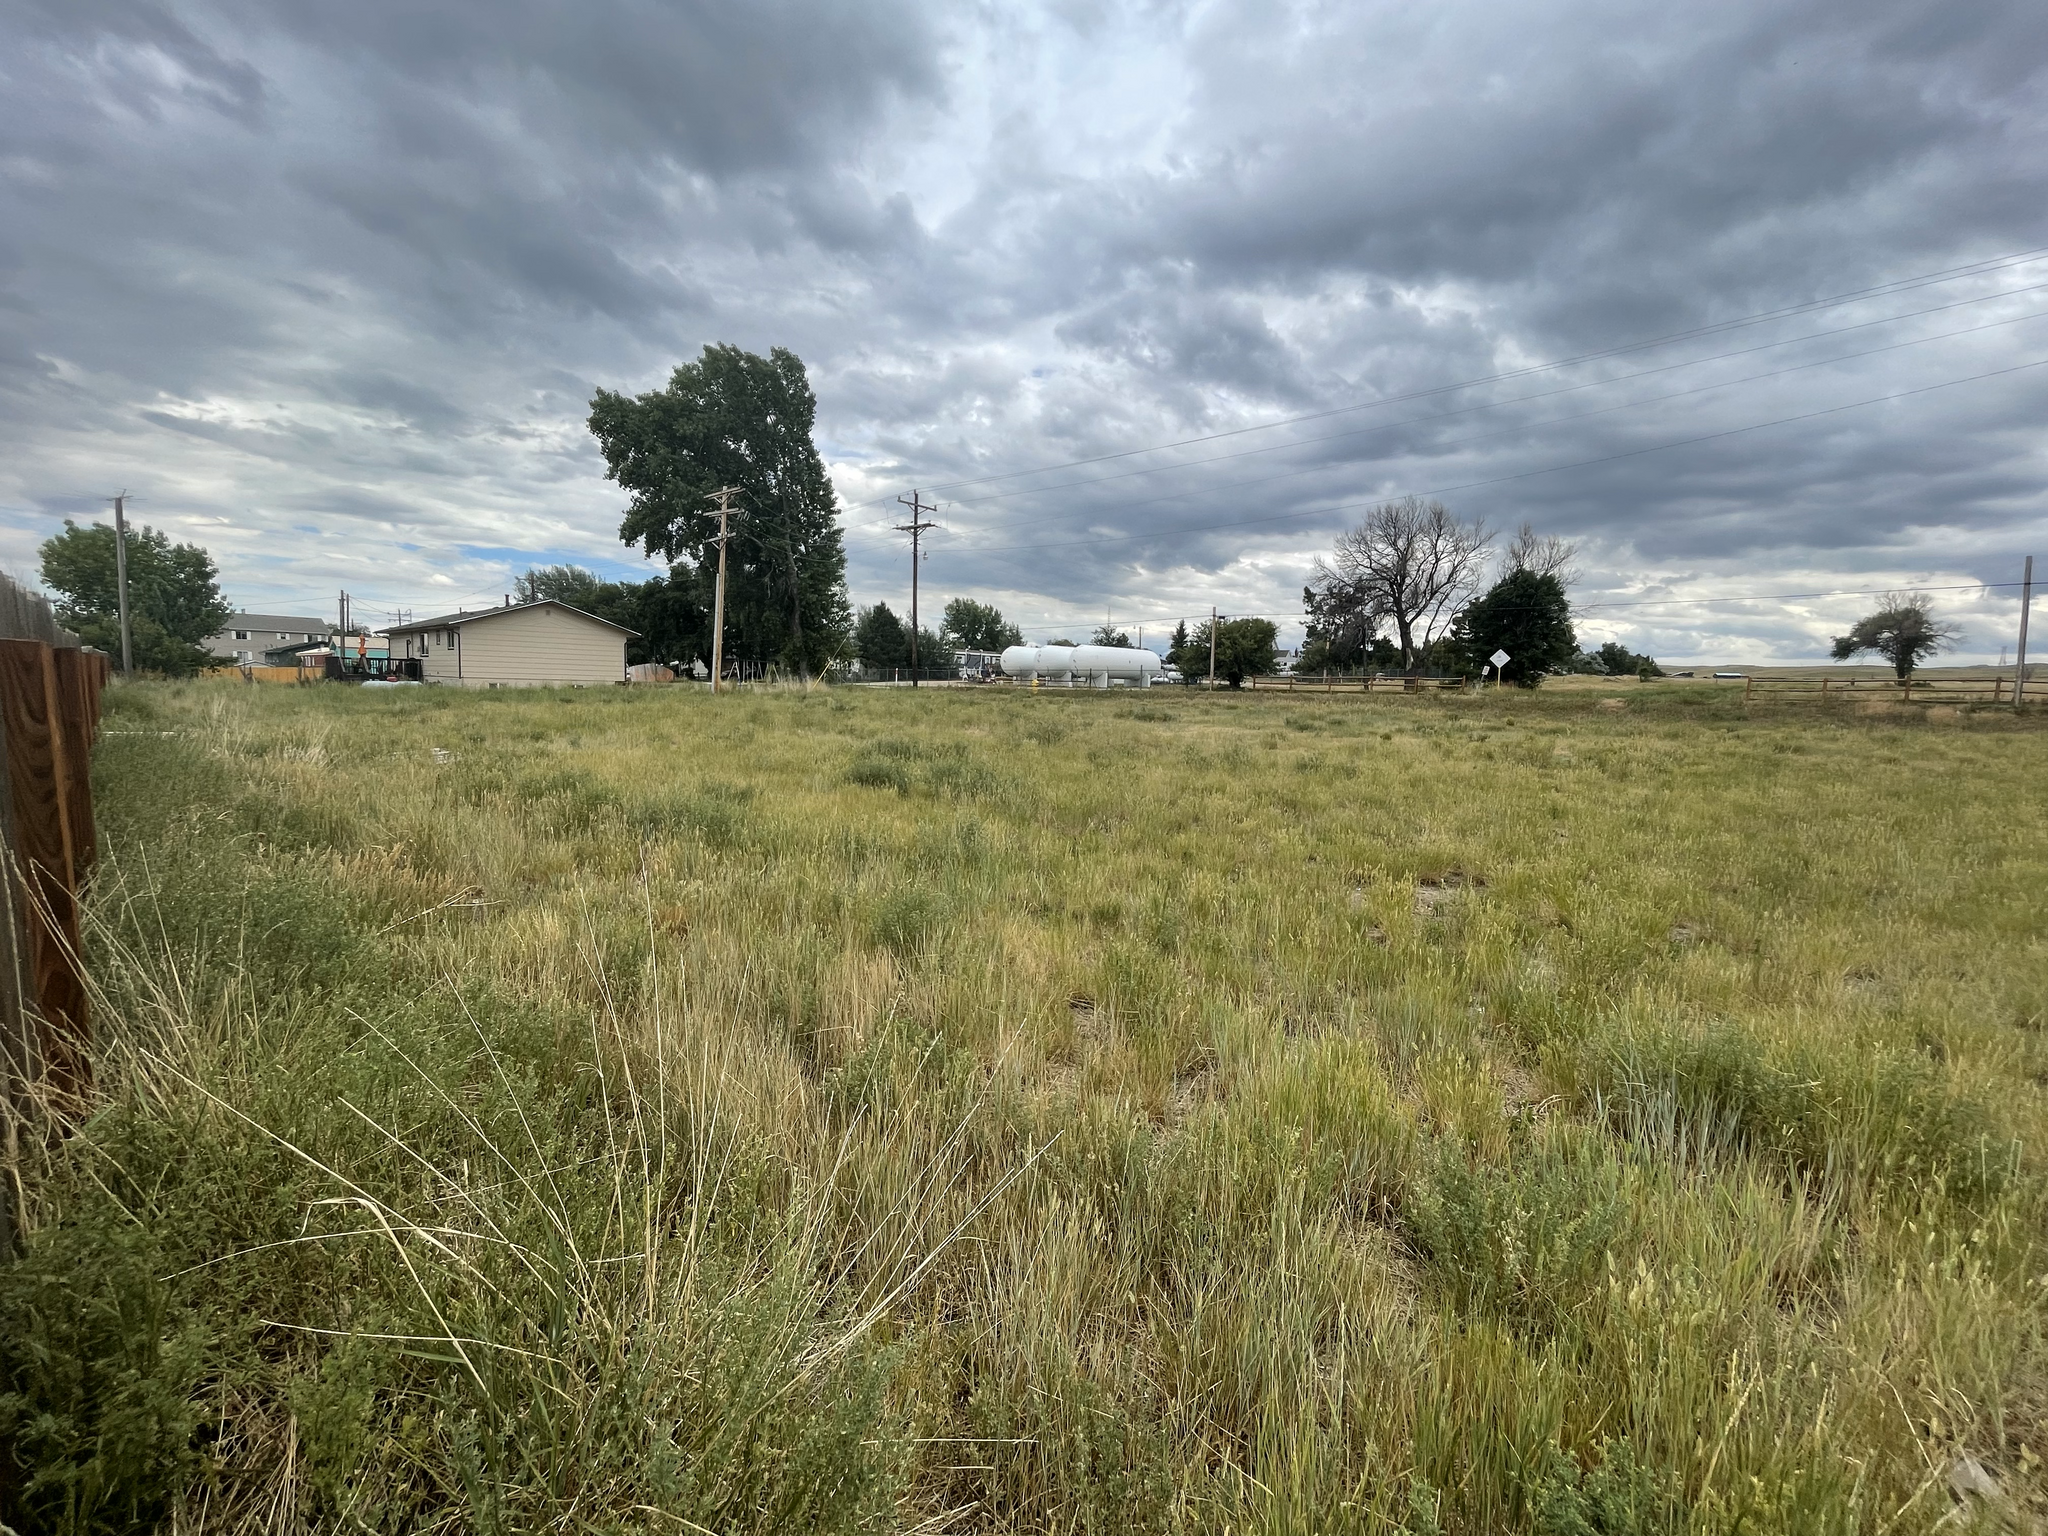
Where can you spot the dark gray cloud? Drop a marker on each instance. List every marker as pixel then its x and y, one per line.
pixel 330 285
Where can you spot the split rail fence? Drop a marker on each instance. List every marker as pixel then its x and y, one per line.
pixel 50 685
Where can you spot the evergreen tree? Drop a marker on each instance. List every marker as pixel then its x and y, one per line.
pixel 880 640
pixel 1525 614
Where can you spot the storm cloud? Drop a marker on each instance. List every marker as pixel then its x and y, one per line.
pixel 1151 297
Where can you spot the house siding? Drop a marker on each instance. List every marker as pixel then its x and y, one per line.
pixel 520 648
pixel 439 661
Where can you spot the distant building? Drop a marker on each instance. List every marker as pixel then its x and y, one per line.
pixel 527 645
pixel 249 635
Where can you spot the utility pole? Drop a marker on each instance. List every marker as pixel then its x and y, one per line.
pixel 723 496
pixel 915 528
pixel 1212 650
pixel 2019 679
pixel 121 581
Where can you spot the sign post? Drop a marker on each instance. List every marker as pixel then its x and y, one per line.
pixel 1499 659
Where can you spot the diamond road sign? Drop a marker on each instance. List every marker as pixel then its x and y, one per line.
pixel 1499 658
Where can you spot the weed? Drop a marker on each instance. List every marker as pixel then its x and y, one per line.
pixel 670 1132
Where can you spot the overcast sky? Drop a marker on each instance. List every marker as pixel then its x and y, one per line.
pixel 328 287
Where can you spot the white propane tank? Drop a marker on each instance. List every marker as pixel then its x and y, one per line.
pixel 1091 666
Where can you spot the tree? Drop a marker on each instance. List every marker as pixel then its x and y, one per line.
pixel 1614 659
pixel 1546 556
pixel 1409 561
pixel 972 626
pixel 1108 634
pixel 569 584
pixel 1340 633
pixel 735 418
pixel 1244 648
pixel 1904 631
pixel 670 626
pixel 174 601
pixel 1526 615
pixel 675 627
pixel 880 640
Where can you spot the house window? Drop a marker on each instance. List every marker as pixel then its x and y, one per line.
pixel 282 635
pixel 241 634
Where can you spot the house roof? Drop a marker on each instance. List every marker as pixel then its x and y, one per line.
pixel 456 620
pixel 293 622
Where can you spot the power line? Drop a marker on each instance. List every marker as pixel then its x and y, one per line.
pixel 1526 474
pixel 1604 410
pixel 915 528
pixel 1900 285
pixel 723 496
pixel 1493 405
pixel 1647 602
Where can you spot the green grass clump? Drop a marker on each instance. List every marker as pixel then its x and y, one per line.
pixel 651 1112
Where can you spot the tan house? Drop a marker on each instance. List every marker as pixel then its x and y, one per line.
pixel 530 645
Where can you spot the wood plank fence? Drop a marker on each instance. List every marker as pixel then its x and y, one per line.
pixel 50 685
pixel 1374 682
pixel 1918 690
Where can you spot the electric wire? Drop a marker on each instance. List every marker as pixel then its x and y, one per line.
pixel 1900 285
pixel 1526 474
pixel 1514 431
pixel 1579 608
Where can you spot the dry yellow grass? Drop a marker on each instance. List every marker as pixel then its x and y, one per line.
pixel 1189 1113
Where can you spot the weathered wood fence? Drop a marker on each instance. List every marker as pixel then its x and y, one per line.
pixel 1918 690
pixel 1376 682
pixel 50 686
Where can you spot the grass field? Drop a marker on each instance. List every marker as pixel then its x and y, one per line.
pixel 983 1111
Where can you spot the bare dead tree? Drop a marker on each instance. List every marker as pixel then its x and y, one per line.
pixel 1543 554
pixel 1410 561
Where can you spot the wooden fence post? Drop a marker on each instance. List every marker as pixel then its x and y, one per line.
pixel 41 787
pixel 18 1055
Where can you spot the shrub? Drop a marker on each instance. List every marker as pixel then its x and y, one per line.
pixel 1619 1497
pixel 879 773
pixel 714 812
pixel 907 921
pixel 97 1377
pixel 1869 1114
pixel 1524 1242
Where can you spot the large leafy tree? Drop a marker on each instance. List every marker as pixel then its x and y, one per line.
pixel 1903 630
pixel 972 626
pixel 1244 648
pixel 736 418
pixel 174 600
pixel 1526 614
pixel 1106 633
pixel 672 626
